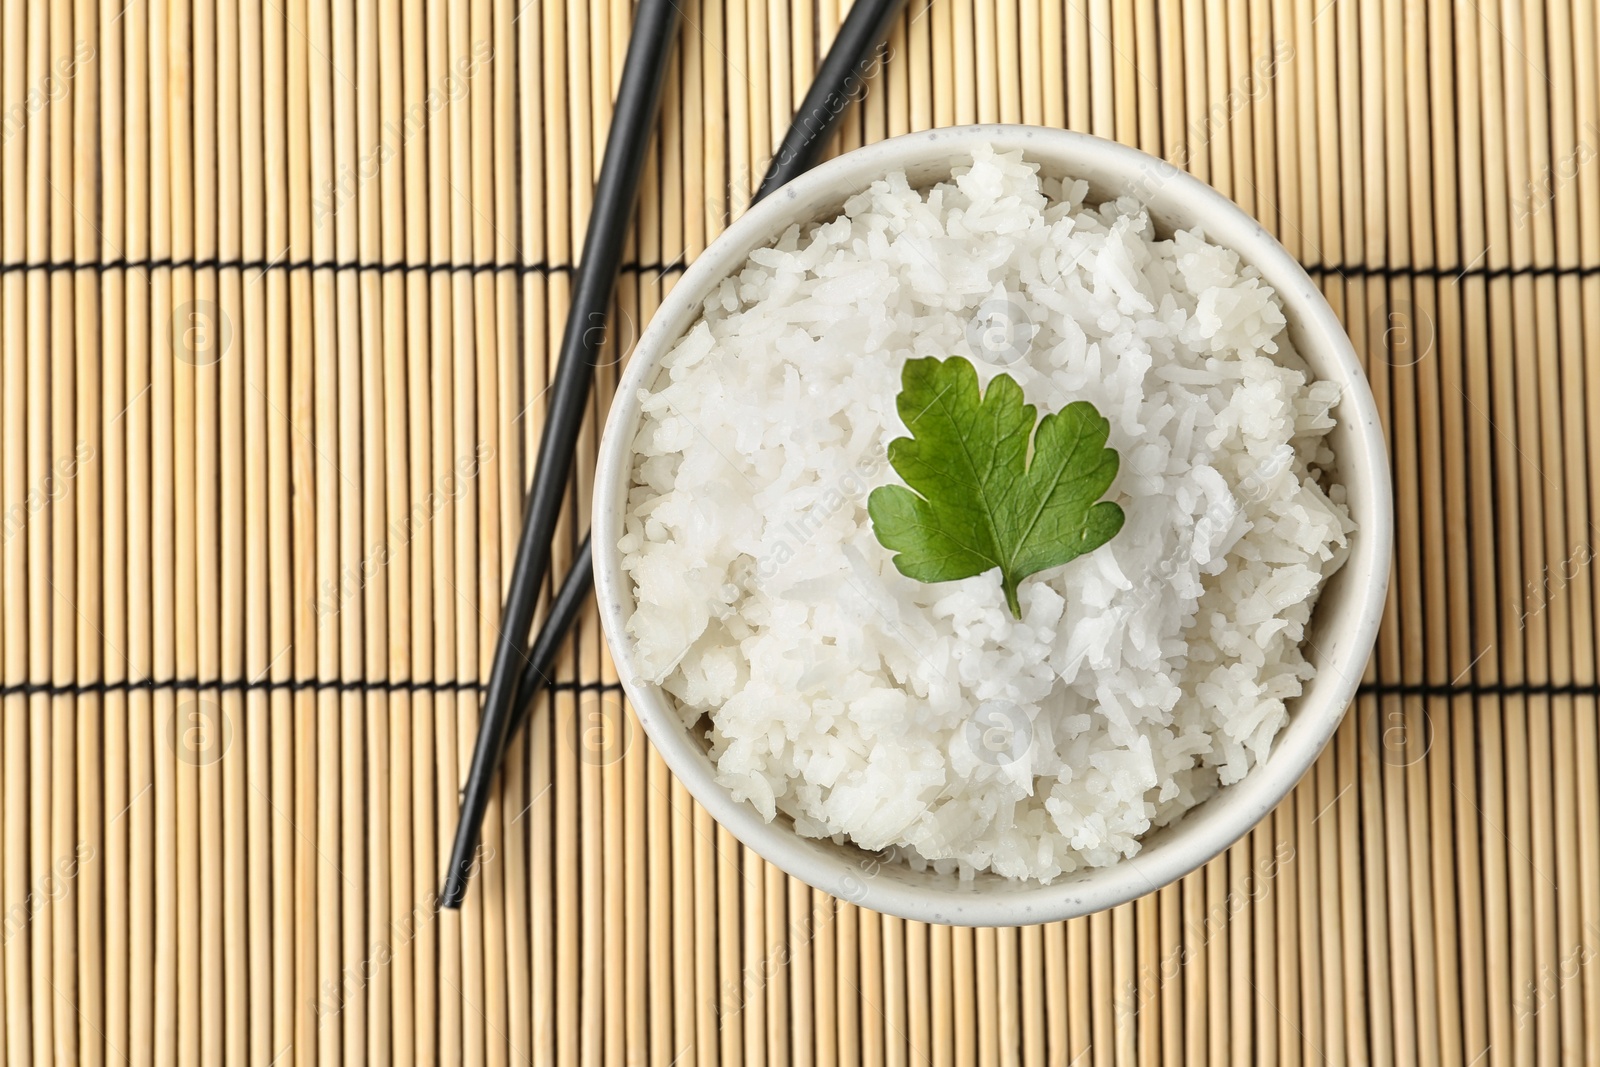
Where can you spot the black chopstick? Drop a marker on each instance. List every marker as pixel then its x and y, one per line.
pixel 570 598
pixel 632 122
pixel 839 80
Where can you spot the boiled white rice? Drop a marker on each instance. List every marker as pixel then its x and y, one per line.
pixel 923 717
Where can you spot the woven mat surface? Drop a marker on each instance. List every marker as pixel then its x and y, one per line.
pixel 281 284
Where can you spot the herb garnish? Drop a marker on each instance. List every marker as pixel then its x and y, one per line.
pixel 975 500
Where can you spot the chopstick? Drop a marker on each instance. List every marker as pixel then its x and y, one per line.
pixel 654 28
pixel 837 81
pixel 863 30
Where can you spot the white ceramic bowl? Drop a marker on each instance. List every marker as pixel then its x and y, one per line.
pixel 1342 628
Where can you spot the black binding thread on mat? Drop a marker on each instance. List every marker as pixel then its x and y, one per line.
pixel 658 269
pixel 1474 689
pixel 1374 689
pixel 1448 274
pixel 293 685
pixel 1350 270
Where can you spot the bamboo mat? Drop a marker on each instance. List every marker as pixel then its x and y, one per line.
pixel 281 280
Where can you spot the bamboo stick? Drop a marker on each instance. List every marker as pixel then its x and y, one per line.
pixel 1145 1018
pixel 484 965
pixel 201 345
pixel 443 174
pixel 87 838
pixel 1418 366
pixel 847 984
pixel 13 464
pixel 942 1015
pixel 41 999
pixel 369 838
pixel 18 538
pixel 1388 240
pixel 964 978
pixel 686 952
pixel 1334 806
pixel 1487 909
pixel 1147 92
pixel 961 17
pixel 546 239
pixel 1153 1008
pixel 1362 158
pixel 1237 918
pixel 1460 957
pixel 392 1023
pixel 1196 971
pixel 1080 1018
pixel 114 897
pixel 730 987
pixel 987 1008
pixel 141 806
pixel 671 964
pixel 741 152
pixel 341 758
pixel 870 991
pixel 307 1003
pixel 1032 994
pixel 1215 914
pixel 947 1037
pixel 1539 440
pixel 1298 1029
pixel 280 667
pixel 752 976
pixel 825 933
pixel 1101 105
pixel 715 140
pixel 1168 978
pixel 940 18
pixel 919 1024
pixel 258 45
pixel 570 172
pixel 1300 180
pixel 1259 81
pixel 1510 957
pixel 1122 99
pixel 1302 129
pixel 327 85
pixel 163 537
pixel 1055 991
pixel 59 636
pixel 1587 118
pixel 1274 91
pixel 196 711
pixel 242 744
pixel 1239 144
pixel 1124 963
pixel 1567 519
pixel 253 1013
pixel 1216 117
pixel 420 929
pixel 17 608
pixel 506 828
pixel 780 952
pixel 599 731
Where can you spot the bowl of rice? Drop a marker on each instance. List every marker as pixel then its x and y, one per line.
pixel 922 748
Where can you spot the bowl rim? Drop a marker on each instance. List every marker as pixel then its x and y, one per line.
pixel 1234 810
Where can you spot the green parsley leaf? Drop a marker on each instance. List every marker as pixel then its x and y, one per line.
pixel 975 500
